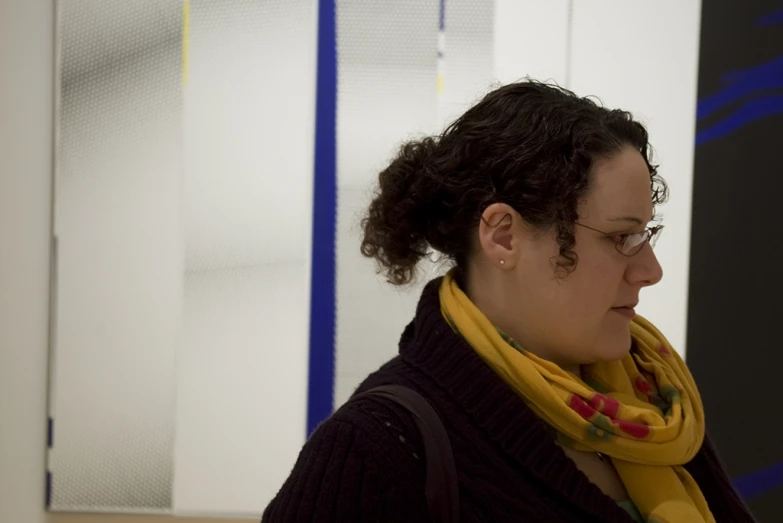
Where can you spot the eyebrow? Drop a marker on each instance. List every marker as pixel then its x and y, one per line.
pixel 633 219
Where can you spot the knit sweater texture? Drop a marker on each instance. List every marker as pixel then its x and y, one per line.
pixel 366 462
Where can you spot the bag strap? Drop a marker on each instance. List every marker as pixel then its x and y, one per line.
pixel 441 483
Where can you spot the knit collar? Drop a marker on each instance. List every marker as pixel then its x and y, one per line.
pixel 430 345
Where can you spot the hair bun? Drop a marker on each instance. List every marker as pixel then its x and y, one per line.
pixel 395 228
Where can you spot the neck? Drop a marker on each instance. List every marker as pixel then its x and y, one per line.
pixel 489 297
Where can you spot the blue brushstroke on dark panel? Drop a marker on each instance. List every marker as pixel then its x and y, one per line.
pixel 751 111
pixel 759 90
pixel 765 77
pixel 771 19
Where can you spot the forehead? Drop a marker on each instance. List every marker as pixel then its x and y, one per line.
pixel 620 186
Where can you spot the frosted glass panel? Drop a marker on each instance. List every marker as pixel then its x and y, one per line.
pixel 248 140
pixel 118 220
pixel 183 212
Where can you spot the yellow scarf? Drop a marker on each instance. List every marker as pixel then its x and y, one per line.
pixel 643 411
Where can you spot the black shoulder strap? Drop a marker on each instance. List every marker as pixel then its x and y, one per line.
pixel 442 488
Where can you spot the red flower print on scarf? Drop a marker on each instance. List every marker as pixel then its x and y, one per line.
pixel 643 386
pixel 581 407
pixel 635 430
pixel 605 405
pixel 608 407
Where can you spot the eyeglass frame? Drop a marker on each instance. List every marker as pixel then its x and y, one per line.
pixel 652 233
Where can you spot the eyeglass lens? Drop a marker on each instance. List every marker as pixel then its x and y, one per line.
pixel 634 242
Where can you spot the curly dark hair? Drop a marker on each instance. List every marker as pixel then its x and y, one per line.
pixel 528 144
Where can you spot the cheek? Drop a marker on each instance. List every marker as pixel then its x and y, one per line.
pixel 595 287
pixel 581 299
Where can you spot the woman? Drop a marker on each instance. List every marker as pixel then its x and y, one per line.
pixel 560 403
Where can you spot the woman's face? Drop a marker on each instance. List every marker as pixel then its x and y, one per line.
pixel 580 318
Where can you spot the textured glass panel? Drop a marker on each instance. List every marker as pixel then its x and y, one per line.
pixel 248 135
pixel 118 222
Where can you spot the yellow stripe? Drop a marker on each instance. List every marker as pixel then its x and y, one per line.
pixel 440 84
pixel 185 39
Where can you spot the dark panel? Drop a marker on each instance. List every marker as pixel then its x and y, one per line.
pixel 734 346
pixel 767 506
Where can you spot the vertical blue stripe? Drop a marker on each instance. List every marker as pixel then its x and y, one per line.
pixel 442 16
pixel 323 275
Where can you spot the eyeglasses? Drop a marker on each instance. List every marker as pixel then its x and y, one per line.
pixel 631 244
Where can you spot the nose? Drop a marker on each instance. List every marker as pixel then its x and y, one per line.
pixel 644 269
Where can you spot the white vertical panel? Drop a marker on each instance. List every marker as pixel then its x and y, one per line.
pixel 118 218
pixel 643 57
pixel 531 40
pixel 248 134
pixel 243 384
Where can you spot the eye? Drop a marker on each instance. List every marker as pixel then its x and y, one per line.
pixel 619 238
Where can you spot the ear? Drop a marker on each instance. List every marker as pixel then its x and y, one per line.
pixel 498 235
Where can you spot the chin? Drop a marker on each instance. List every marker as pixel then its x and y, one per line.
pixel 614 345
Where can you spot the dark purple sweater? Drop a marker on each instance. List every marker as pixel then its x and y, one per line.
pixel 366 462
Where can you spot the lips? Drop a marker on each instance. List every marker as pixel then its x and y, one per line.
pixel 627 310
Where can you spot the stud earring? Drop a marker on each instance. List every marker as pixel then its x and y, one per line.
pixel 502 262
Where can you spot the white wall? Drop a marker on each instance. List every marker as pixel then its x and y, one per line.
pixel 26 115
pixel 531 39
pixel 643 57
pixel 637 56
